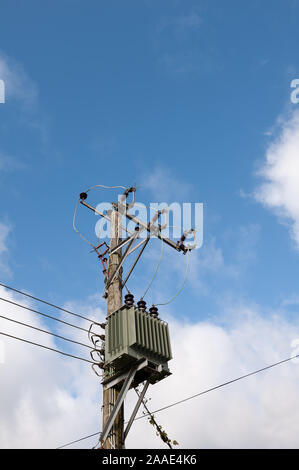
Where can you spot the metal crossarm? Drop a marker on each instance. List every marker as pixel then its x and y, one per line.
pixel 151 228
pixel 105 216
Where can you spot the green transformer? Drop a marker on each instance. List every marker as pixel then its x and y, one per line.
pixel 132 335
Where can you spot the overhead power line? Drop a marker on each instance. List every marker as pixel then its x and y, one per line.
pixel 78 440
pixel 46 347
pixel 46 302
pixel 221 385
pixel 44 314
pixel 45 331
pixel 196 395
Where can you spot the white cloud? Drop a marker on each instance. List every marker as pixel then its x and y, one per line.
pixel 45 398
pixel 4 232
pixel 279 191
pixel 48 400
pixel 165 186
pixel 260 411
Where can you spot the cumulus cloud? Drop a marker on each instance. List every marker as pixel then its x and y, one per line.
pixel 45 397
pixel 279 190
pixel 258 412
pixel 48 400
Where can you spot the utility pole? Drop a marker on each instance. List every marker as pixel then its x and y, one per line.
pixel 137 343
pixel 114 302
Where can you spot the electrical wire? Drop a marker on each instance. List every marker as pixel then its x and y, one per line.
pixel 105 187
pixel 77 205
pixel 45 331
pixel 158 266
pixel 44 314
pixel 78 440
pixel 241 377
pixel 46 347
pixel 183 284
pixel 77 230
pixel 46 302
pixel 156 270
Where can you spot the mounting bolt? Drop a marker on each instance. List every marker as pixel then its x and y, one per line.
pixel 83 196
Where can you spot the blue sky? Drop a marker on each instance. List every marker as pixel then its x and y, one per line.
pixel 114 92
pixel 186 99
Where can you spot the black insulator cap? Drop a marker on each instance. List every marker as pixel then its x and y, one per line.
pixel 83 196
pixel 154 311
pixel 102 351
pixel 103 325
pixel 141 305
pixel 102 337
pixel 129 300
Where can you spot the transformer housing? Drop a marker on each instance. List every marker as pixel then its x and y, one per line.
pixel 132 335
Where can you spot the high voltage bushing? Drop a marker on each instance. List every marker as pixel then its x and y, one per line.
pixel 141 304
pixel 154 311
pixel 129 300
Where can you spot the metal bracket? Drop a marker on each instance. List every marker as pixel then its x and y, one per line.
pixel 144 243
pixel 121 397
pixel 119 377
pixel 137 406
pixel 123 258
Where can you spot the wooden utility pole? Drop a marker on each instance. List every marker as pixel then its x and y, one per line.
pixel 114 302
pixel 121 376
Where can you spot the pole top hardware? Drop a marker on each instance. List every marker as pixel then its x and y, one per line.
pixel 83 196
